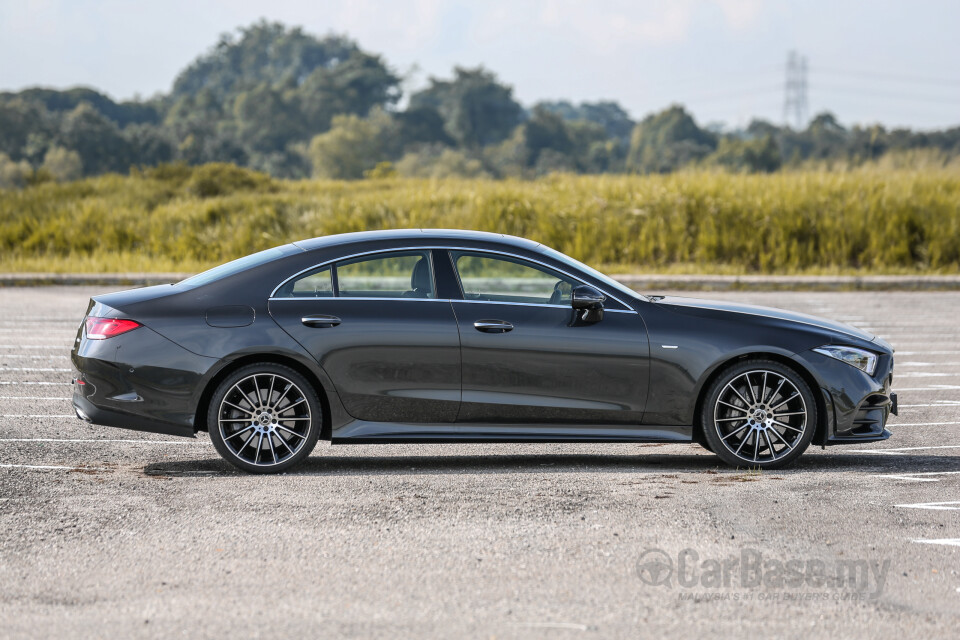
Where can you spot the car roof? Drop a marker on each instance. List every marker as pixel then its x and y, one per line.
pixel 415 234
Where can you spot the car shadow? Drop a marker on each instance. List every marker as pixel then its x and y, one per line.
pixel 555 463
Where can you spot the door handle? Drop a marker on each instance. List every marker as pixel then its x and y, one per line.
pixel 320 321
pixel 493 326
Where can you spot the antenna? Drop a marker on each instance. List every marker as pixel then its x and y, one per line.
pixel 795 91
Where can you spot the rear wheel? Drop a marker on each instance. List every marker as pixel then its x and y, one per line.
pixel 264 418
pixel 760 414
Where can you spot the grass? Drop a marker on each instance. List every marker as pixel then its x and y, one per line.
pixel 186 219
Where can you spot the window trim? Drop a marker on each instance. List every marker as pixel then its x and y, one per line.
pixel 447 248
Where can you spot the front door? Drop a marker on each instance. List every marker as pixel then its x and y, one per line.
pixel 375 325
pixel 525 359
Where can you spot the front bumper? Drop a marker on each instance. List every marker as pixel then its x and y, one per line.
pixel 139 380
pixel 857 405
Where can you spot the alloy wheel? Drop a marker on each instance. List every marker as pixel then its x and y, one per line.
pixel 264 419
pixel 760 416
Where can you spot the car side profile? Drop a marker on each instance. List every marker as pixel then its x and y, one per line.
pixel 463 336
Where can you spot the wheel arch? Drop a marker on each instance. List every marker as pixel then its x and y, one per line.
pixel 200 418
pixel 780 358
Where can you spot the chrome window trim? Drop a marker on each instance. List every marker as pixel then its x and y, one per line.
pixel 629 308
pixel 513 304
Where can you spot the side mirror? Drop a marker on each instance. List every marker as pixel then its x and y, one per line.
pixel 589 301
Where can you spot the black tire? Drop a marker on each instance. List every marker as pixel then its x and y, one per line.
pixel 759 414
pixel 272 405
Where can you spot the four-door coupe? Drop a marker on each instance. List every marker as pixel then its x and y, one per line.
pixel 461 336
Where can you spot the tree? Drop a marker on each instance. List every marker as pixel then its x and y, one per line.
pixel 356 85
pixel 63 164
pixel 614 119
pixel 749 155
pixel 13 174
pixel 96 139
pixel 352 146
pixel 666 141
pixel 476 109
pixel 265 52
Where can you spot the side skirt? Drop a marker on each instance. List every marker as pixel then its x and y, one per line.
pixel 361 432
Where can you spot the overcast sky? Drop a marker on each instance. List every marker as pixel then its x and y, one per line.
pixel 870 61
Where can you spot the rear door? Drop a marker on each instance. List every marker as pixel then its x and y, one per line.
pixel 527 360
pixel 375 325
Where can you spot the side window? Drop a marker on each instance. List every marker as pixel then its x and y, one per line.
pixel 317 284
pixel 503 279
pixel 406 274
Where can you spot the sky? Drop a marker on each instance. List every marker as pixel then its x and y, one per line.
pixel 877 61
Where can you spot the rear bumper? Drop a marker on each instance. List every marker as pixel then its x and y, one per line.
pixel 89 412
pixel 139 381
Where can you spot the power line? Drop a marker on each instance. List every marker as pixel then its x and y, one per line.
pixel 888 95
pixel 889 77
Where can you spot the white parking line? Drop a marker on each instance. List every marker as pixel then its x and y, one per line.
pixel 933 387
pixel 953 505
pixel 955 542
pixel 920 424
pixel 37 415
pixel 50 467
pixel 938 403
pixel 32 356
pixel 923 374
pixel 924 476
pixel 942 352
pixel 35 346
pixel 893 452
pixel 34 398
pixel 922 364
pixel 33 382
pixel 34 369
pixel 95 440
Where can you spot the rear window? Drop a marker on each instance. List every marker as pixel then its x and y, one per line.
pixel 231 268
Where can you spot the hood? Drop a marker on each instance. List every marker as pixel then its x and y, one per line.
pixel 692 305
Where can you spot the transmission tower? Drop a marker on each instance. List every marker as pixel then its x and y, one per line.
pixel 795 94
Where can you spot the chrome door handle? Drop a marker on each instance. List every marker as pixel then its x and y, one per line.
pixel 492 326
pixel 320 321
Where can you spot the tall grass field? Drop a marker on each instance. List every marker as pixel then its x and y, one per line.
pixel 184 219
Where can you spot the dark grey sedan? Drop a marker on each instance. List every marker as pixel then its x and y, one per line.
pixel 461 336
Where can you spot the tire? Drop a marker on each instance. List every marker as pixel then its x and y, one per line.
pixel 264 418
pixel 759 414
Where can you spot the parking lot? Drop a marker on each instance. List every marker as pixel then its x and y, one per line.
pixel 112 533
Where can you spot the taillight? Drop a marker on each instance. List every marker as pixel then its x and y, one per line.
pixel 103 328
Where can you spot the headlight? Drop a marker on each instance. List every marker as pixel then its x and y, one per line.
pixel 864 360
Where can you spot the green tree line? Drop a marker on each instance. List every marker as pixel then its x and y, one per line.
pixel 281 101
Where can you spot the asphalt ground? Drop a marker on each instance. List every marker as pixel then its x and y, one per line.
pixel 112 533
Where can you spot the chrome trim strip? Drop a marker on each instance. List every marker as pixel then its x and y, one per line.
pixel 538 304
pixel 331 298
pixel 443 248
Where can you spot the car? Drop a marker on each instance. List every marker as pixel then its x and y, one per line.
pixel 461 336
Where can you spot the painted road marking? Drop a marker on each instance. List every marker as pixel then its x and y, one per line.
pixel 51 467
pixel 919 424
pixel 35 346
pixel 893 452
pixel 933 387
pixel 938 403
pixel 94 440
pixel 32 382
pixel 49 369
pixel 943 352
pixel 955 542
pixel 953 505
pixel 34 398
pixel 924 476
pixel 33 356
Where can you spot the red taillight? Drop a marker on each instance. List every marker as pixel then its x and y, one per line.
pixel 103 328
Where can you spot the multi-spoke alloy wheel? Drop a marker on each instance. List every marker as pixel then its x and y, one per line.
pixel 264 418
pixel 759 414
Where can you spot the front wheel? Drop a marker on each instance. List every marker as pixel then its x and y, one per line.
pixel 264 418
pixel 759 414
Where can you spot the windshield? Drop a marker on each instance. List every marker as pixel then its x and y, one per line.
pixel 605 279
pixel 230 268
